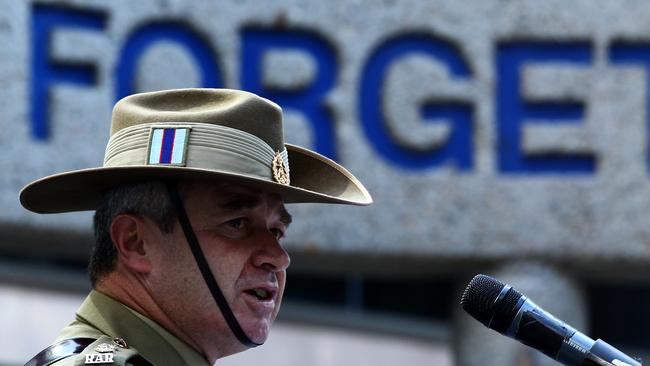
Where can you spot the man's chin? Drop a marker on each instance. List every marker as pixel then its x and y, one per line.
pixel 258 331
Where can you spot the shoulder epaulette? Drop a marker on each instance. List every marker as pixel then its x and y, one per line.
pixel 59 351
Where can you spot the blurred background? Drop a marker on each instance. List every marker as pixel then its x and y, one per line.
pixel 497 136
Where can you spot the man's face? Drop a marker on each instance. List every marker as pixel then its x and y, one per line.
pixel 239 230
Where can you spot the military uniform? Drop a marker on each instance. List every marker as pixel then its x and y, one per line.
pixel 100 320
pixel 171 136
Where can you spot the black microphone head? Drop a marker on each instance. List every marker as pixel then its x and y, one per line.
pixel 484 301
pixel 479 297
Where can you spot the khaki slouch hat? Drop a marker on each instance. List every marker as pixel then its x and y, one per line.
pixel 212 134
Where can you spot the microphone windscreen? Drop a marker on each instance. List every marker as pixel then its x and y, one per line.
pixel 481 300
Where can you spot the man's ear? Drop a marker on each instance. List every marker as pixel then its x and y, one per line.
pixel 128 233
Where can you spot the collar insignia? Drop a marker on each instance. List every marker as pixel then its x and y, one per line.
pixel 105 347
pixel 97 358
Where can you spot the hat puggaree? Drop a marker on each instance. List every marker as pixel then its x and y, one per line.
pixel 211 134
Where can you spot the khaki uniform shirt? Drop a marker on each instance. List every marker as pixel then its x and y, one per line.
pixel 102 318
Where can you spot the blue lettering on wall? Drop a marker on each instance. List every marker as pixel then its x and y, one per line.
pixel 47 72
pixel 635 54
pixel 144 37
pixel 308 100
pixel 458 147
pixel 512 109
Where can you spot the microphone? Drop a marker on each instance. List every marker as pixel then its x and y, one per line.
pixel 504 309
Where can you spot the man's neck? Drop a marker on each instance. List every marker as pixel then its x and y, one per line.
pixel 131 293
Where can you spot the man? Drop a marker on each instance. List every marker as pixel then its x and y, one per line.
pixel 189 214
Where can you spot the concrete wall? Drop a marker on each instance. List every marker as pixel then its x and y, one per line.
pixel 484 129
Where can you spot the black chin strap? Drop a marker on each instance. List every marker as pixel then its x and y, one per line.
pixel 205 268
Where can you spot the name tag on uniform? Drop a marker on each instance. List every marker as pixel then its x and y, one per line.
pixel 95 358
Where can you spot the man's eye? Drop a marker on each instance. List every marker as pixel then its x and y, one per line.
pixel 238 224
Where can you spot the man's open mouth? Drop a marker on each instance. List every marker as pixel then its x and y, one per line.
pixel 261 294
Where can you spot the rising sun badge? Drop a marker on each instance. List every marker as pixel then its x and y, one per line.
pixel 280 170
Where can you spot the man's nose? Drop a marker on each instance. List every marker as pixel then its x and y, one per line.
pixel 270 255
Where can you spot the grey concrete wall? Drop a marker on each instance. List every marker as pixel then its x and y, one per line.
pixel 480 212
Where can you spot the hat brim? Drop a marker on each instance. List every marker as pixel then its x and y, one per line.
pixel 314 178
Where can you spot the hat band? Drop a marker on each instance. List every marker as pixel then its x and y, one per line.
pixel 198 145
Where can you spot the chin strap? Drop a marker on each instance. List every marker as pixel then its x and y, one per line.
pixel 205 268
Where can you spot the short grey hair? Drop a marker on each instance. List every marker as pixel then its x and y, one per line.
pixel 149 199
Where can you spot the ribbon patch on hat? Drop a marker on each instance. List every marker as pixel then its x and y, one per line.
pixel 168 145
